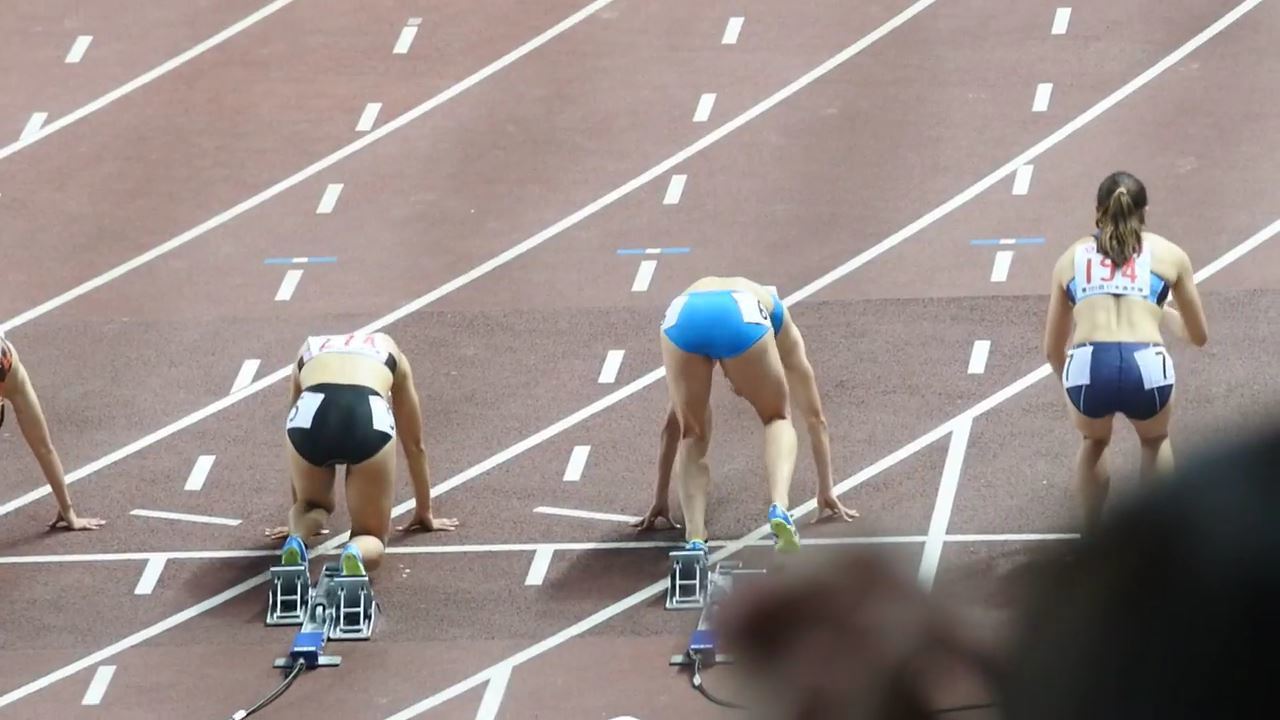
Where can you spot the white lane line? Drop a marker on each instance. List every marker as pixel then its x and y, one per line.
pixel 185 517
pixel 731 31
pixel 314 168
pixel 1000 266
pixel 329 199
pixel 492 699
pixel 577 463
pixel 609 370
pixel 978 357
pixel 945 501
pixel 1040 103
pixel 98 685
pixel 1061 18
pixel 78 49
pixel 512 548
pixel 644 275
pixel 34 123
pixel 199 473
pixel 150 575
pixel 368 117
pixel 145 78
pixel 538 568
pixel 585 514
pixel 703 112
pixel 906 451
pixel 624 392
pixel 675 188
pixel 248 369
pixel 407 34
pixel 288 285
pixel 1022 179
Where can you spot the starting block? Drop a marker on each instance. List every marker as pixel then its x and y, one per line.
pixel 702 643
pixel 688 581
pixel 336 608
pixel 289 595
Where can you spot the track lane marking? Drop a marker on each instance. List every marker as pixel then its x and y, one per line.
pixel 145 78
pixel 303 174
pixel 585 545
pixel 535 439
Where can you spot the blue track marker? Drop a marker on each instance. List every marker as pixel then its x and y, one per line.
pixel 654 251
pixel 1009 241
pixel 299 260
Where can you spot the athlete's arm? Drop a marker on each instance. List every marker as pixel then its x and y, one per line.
pixel 1057 326
pixel 1190 310
pixel 407 408
pixel 803 387
pixel 668 442
pixel 35 430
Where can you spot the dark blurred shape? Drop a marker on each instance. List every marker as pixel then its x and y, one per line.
pixel 1170 610
pixel 847 637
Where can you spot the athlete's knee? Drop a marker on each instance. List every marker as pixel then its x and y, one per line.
pixel 1153 441
pixel 1095 444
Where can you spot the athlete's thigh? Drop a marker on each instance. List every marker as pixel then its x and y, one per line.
pixel 689 385
pixel 311 484
pixel 371 493
pixel 758 376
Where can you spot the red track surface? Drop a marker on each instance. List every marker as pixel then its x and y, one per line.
pixel 920 115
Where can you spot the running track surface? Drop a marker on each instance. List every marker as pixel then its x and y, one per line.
pixel 921 114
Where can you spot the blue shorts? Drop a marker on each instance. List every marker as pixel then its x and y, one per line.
pixel 1133 379
pixel 719 324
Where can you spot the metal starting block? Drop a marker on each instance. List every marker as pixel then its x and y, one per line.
pixel 289 595
pixel 337 608
pixel 702 643
pixel 688 581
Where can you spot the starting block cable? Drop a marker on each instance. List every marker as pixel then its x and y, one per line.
pixel 288 680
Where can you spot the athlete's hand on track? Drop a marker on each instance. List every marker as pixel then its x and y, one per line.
pixel 831 504
pixel 77 523
pixel 282 532
pixel 426 523
pixel 659 511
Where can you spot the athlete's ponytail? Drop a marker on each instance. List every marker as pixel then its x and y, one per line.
pixel 1121 207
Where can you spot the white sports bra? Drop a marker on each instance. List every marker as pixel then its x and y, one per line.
pixel 365 344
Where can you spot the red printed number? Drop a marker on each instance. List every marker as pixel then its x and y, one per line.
pixel 1128 272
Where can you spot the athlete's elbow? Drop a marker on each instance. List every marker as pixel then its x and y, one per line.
pixel 1199 339
pixel 816 422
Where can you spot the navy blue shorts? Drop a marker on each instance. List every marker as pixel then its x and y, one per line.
pixel 1133 379
pixel 718 324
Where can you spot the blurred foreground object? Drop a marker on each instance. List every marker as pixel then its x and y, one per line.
pixel 1171 610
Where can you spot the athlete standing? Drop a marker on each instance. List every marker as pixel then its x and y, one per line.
pixel 1113 286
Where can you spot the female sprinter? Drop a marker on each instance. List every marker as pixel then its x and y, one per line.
pixel 743 327
pixel 15 387
pixel 1114 285
pixel 339 415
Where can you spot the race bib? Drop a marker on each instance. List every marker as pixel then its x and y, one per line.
pixel 673 311
pixel 383 419
pixel 753 311
pixel 1079 363
pixel 353 344
pixel 1156 367
pixel 1097 275
pixel 303 411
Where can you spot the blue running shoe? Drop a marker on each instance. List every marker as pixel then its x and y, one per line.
pixel 786 536
pixel 294 551
pixel 696 546
pixel 352 563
